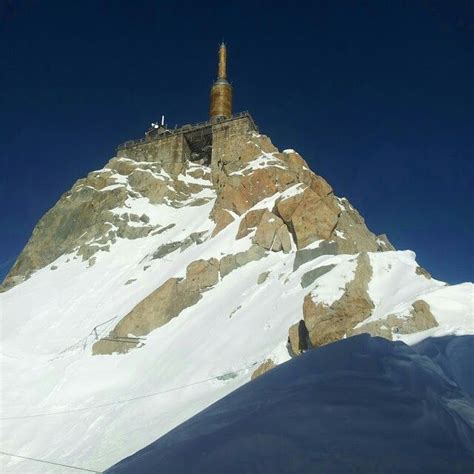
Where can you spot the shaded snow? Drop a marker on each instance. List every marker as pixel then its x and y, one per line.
pixel 359 405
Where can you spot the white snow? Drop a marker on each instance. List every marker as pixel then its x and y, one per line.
pixel 265 160
pixel 48 322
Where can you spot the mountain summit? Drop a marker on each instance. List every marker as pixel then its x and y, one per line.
pixel 196 259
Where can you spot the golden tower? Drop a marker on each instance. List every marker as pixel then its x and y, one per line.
pixel 221 92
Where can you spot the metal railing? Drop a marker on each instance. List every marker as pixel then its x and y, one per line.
pixel 186 129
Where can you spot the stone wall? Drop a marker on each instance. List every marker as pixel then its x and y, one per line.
pixel 228 139
pixel 172 151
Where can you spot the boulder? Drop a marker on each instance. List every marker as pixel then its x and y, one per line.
pixel 262 368
pixel 309 216
pixel 298 338
pixel 272 233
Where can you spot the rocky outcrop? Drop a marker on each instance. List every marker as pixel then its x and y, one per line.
pixel 249 222
pixel 422 271
pixel 419 318
pixel 161 306
pixel 310 216
pixel 229 263
pixel 259 171
pixel 352 235
pixel 327 324
pixel 263 368
pixel 298 338
pixel 202 274
pixel 311 276
pixel 272 233
pixel 87 219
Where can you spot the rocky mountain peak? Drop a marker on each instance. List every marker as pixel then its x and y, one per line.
pixel 168 268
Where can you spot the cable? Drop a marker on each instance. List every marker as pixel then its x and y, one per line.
pixel 50 462
pixel 118 402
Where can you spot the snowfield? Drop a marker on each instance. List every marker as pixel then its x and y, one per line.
pixel 59 403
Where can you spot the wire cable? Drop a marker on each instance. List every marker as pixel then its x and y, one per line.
pixel 118 402
pixel 51 462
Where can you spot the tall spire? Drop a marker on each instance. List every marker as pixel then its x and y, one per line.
pixel 221 92
pixel 222 69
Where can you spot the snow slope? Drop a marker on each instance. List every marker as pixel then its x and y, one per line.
pixel 358 405
pixel 60 403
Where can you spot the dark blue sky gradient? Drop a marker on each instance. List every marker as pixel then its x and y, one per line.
pixel 377 97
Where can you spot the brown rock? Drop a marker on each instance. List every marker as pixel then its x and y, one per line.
pixel 272 234
pixel 264 367
pixel 284 238
pixel 297 338
pixel 294 160
pixel 222 218
pixel 144 182
pixel 419 319
pixel 249 222
pixel 327 324
pixel 286 207
pixel 314 218
pixel 158 308
pixel 202 274
pixel 320 186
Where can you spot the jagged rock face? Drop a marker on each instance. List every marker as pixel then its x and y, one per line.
pixel 327 324
pixel 280 205
pixel 93 214
pixel 167 275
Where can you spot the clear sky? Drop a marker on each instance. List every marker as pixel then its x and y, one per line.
pixel 377 96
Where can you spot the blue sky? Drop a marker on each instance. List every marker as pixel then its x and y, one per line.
pixel 376 96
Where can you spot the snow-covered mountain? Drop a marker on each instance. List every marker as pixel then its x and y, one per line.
pixel 153 289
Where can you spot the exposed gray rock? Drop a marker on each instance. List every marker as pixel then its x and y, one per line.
pixel 422 271
pixel 310 277
pixel 229 263
pixel 420 318
pixel 262 277
pixel 306 255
